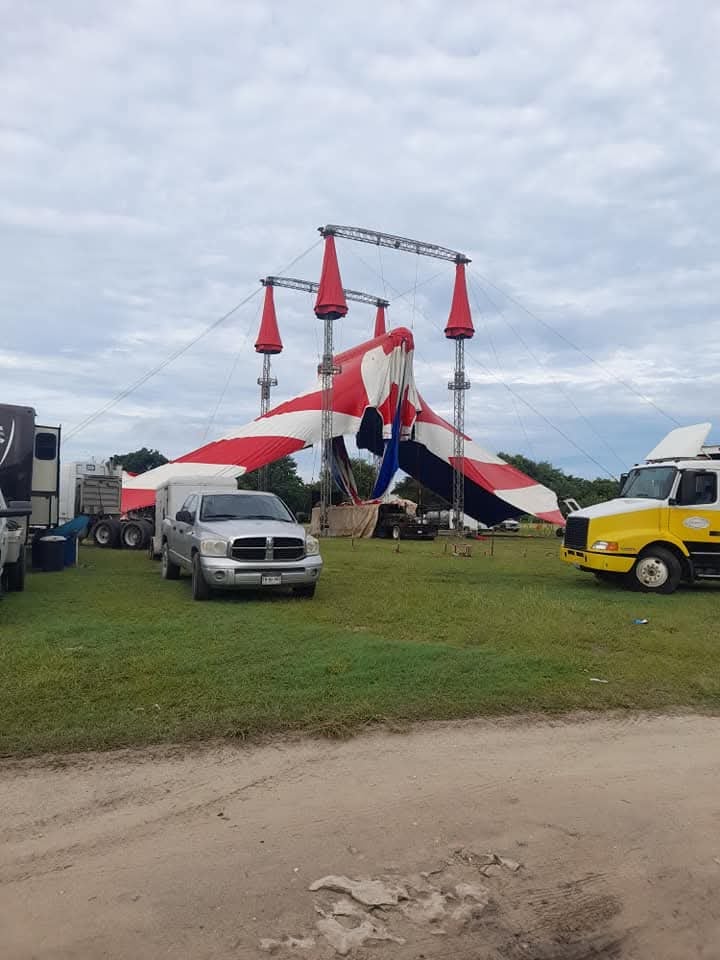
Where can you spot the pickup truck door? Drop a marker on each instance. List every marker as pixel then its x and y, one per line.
pixel 181 533
pixel 694 517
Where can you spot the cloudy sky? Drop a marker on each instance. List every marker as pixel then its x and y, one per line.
pixel 158 156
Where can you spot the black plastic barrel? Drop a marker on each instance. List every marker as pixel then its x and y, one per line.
pixel 52 554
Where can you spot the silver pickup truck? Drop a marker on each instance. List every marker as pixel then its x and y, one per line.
pixel 244 539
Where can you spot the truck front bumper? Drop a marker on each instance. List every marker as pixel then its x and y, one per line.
pixel 602 562
pixel 223 573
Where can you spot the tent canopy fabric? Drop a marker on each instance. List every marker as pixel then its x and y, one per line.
pixel 375 399
pixel 268 339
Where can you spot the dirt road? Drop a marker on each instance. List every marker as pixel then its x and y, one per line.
pixel 209 853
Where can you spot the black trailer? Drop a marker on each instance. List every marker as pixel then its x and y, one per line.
pixel 30 463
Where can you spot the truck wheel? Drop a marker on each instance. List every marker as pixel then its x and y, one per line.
pixel 656 570
pixel 168 569
pixel 106 533
pixel 15 574
pixel 134 535
pixel 306 591
pixel 200 588
pixel 396 532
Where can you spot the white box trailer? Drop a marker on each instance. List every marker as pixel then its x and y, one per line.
pixel 89 487
pixel 171 495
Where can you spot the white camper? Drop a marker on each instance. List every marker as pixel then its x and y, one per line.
pixel 171 495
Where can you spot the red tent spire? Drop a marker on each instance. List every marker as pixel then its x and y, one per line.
pixel 331 296
pixel 268 340
pixel 459 325
pixel 380 330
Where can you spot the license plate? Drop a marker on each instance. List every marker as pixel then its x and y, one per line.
pixel 271 580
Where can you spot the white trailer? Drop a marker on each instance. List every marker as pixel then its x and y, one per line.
pixel 82 493
pixel 172 494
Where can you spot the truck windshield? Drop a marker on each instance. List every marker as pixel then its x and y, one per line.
pixel 235 506
pixel 651 483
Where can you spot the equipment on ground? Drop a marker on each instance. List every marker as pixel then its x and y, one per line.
pixel 396 522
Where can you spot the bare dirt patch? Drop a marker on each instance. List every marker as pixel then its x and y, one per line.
pixel 551 841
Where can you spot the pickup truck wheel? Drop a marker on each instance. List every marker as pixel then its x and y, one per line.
pixel 306 591
pixel 396 532
pixel 15 574
pixel 106 533
pixel 656 570
pixel 200 588
pixel 168 569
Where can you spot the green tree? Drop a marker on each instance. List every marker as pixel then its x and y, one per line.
pixel 284 481
pixel 138 461
pixel 364 474
pixel 586 492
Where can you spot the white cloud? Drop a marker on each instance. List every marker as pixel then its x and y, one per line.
pixel 157 158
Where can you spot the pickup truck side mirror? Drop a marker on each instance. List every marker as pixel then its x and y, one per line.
pixel 184 516
pixel 17 508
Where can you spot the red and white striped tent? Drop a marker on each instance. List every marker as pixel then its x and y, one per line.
pixel 376 400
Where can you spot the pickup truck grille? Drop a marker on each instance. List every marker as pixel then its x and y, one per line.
pixel 250 548
pixel 576 531
pixel 288 548
pixel 257 549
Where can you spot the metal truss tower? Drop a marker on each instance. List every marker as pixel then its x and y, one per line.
pixel 459 385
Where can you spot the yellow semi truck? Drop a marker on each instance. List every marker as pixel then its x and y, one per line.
pixel 664 527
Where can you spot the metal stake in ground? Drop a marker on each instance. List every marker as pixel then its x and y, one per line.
pixel 267 343
pixel 459 328
pixel 329 306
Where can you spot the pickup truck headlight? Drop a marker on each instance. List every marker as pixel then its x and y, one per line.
pixel 607 546
pixel 214 548
pixel 312 547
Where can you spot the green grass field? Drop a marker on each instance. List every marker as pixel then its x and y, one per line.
pixel 108 654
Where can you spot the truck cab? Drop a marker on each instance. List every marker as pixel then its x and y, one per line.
pixel 663 528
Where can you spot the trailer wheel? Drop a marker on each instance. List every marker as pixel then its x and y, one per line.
pixel 15 574
pixel 134 535
pixel 396 532
pixel 106 533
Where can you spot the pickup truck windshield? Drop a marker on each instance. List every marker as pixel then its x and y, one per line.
pixel 235 506
pixel 652 483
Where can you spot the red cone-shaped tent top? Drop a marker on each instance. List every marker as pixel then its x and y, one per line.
pixel 268 340
pixel 380 322
pixel 459 325
pixel 331 296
